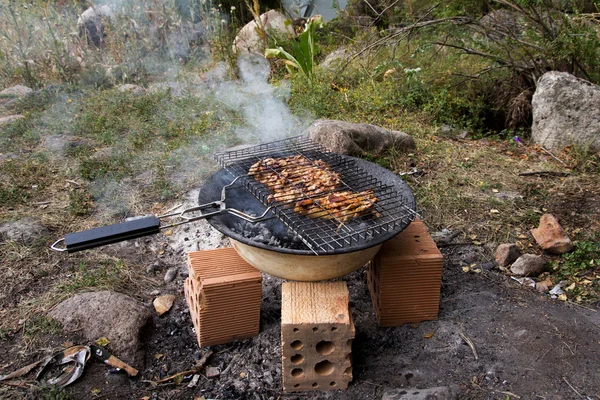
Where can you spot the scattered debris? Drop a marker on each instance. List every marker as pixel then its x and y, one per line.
pixel 525 281
pixel 471 345
pixel 178 377
pixel 162 304
pixel 103 342
pixel 73 362
pixel 20 372
pixel 550 235
pixel 103 355
pixel 194 381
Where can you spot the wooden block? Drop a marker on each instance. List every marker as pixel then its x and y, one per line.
pixel 224 294
pixel 405 278
pixel 316 336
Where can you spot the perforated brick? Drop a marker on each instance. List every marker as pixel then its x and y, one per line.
pixel 405 278
pixel 316 336
pixel 224 294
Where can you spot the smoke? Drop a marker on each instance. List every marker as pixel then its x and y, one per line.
pixel 170 48
pixel 266 116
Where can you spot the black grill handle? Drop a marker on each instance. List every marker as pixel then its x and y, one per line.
pixel 110 234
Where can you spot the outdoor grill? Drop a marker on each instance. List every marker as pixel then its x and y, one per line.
pixel 304 246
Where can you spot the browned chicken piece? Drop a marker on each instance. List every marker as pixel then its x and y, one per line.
pixel 300 181
pixel 294 177
pixel 342 206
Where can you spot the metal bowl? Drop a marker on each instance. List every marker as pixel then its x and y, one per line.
pixel 298 263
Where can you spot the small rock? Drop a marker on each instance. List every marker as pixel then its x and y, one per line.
pixel 132 89
pixel 10 119
pixel 171 274
pixel 212 372
pixel 551 237
pixel 16 91
pixel 436 393
pixel 25 230
pixel 162 304
pixel 116 316
pixel 469 258
pixel 486 266
pixel 528 265
pixel 506 254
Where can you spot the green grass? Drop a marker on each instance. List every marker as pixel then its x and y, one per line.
pixel 39 326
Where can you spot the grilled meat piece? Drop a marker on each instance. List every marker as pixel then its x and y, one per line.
pixel 342 206
pixel 310 185
pixel 294 177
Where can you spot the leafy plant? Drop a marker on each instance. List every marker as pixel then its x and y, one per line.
pixel 302 57
pixel 586 256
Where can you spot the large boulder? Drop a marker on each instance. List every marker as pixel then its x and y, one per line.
pixel 275 24
pixel 91 24
pixel 115 316
pixel 358 139
pixel 566 112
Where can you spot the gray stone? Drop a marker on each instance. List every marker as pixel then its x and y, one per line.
pixel 171 274
pixel 276 26
pixel 336 58
pixel 9 119
pixel 16 91
pixel 565 112
pixel 60 143
pixel 500 24
pixel 25 231
pixel 528 265
pixel 90 24
pixel 132 89
pixel 436 393
pixel 358 139
pixel 116 316
pixel 506 254
pixel 212 372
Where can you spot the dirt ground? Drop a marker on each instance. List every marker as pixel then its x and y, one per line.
pixel 528 346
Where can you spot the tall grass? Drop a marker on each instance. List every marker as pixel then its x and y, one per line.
pixel 40 41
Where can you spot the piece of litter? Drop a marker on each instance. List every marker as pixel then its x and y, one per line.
pixel 65 367
pixel 194 381
pixel 428 335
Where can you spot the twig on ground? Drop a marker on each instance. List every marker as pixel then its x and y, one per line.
pixel 553 156
pixel 544 173
pixel 368 383
pixel 471 345
pixel 542 356
pixel 454 244
pixel 233 360
pixel 508 394
pixel 572 388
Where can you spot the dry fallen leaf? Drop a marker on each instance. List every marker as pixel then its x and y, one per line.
pixel 168 232
pixel 102 342
pixel 158 356
pixel 562 297
pixel 428 335
pixel 494 211
pixel 162 304
pixel 466 269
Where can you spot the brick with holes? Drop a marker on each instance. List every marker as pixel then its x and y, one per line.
pixel 316 336
pixel 405 278
pixel 224 294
